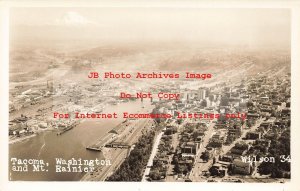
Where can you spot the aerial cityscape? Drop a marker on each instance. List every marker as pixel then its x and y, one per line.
pixel 169 108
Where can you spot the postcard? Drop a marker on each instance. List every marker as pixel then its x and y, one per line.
pixel 151 93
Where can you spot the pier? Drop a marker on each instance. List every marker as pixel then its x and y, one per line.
pixel 94 148
pixel 102 142
pixel 109 140
pixel 121 145
pixel 68 128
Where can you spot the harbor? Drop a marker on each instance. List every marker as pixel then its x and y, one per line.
pixel 115 137
pixel 47 145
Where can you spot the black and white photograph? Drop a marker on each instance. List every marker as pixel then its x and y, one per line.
pixel 151 94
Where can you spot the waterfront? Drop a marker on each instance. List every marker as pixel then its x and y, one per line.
pixel 48 146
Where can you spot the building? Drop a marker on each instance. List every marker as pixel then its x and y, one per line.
pixel 240 167
pixel 253 135
pixel 235 131
pixel 202 93
pixel 240 149
pixel 218 169
pixel 189 148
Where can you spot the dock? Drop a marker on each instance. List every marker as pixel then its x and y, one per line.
pixel 68 128
pixel 94 148
pixel 102 142
pixel 121 145
pixel 113 144
pixel 109 138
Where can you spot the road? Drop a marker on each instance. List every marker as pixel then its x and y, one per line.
pixel 199 164
pixel 153 153
pixel 227 148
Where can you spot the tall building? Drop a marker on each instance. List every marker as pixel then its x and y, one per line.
pixel 202 93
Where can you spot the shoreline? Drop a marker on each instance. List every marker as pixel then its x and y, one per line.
pixel 20 139
pixel 23 138
pixel 102 172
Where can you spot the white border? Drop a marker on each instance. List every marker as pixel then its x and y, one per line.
pixel 4 50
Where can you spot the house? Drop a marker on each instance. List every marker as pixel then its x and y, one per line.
pixel 253 135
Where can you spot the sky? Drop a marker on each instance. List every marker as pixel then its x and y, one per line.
pixel 250 27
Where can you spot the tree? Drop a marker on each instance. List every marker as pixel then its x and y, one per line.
pixel 132 168
pixel 178 168
pixel 179 121
pixel 279 147
pixel 250 104
pixel 203 103
pixel 205 156
pixel 154 175
pixel 195 134
pixel 224 101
